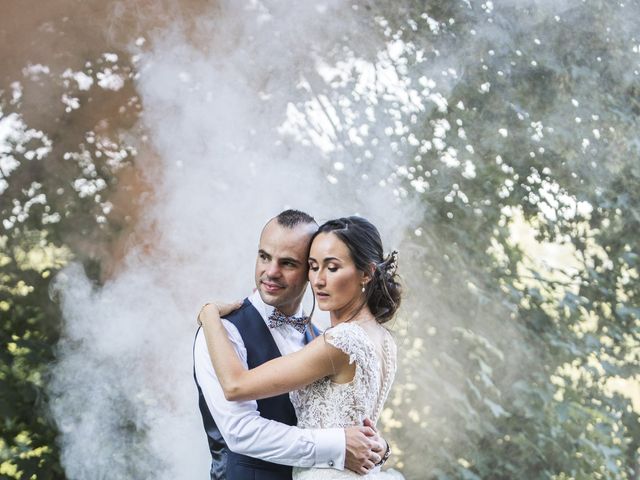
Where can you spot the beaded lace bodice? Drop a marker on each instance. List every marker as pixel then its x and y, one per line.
pixel 325 404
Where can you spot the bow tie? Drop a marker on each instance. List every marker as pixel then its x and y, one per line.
pixel 278 318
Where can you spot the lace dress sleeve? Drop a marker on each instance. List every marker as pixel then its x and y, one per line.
pixel 374 375
pixel 352 340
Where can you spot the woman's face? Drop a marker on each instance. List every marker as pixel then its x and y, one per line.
pixel 336 282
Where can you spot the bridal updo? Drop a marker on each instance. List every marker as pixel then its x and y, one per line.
pixel 383 292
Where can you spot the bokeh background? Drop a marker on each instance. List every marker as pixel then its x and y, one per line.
pixel 495 144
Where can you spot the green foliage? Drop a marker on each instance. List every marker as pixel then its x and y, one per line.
pixel 30 326
pixel 526 392
pixel 54 208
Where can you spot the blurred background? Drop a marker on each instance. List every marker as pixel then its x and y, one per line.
pixel 144 144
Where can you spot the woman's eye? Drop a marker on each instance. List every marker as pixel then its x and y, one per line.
pixel 331 268
pixel 313 268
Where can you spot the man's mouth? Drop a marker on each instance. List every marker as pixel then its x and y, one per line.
pixel 271 287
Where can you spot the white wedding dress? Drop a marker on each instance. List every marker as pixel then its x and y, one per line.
pixel 325 404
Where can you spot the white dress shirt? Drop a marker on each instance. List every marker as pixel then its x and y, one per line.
pixel 240 423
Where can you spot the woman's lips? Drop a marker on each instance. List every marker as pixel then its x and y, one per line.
pixel 322 295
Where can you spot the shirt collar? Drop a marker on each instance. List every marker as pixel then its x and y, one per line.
pixel 266 310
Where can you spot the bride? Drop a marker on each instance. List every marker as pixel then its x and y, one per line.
pixel 344 375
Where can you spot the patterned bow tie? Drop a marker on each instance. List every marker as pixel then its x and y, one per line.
pixel 278 318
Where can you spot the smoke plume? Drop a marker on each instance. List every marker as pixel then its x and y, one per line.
pixel 244 126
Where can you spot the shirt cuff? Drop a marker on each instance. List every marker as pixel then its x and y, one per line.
pixel 330 448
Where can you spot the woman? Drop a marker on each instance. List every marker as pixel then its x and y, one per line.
pixel 344 375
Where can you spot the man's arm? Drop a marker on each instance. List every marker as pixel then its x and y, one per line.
pixel 246 432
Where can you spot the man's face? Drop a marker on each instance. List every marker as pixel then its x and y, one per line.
pixel 281 266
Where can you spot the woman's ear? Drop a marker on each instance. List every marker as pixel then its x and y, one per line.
pixel 367 276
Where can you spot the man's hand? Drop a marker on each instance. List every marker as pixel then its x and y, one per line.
pixel 380 443
pixel 364 449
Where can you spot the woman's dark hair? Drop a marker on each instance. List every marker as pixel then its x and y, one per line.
pixel 383 292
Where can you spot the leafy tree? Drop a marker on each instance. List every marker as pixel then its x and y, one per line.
pixel 538 130
pixel 55 187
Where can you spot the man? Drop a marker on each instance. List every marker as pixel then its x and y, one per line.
pixel 259 439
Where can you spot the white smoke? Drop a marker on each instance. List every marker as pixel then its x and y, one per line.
pixel 239 107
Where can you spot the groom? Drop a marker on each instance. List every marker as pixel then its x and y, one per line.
pixel 259 439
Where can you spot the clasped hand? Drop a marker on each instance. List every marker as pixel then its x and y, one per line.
pixel 365 448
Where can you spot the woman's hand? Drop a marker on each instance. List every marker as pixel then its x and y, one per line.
pixel 216 310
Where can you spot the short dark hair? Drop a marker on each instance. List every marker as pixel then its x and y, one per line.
pixel 292 218
pixel 383 292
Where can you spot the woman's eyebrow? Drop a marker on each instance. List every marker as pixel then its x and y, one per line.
pixel 326 259
pixel 331 259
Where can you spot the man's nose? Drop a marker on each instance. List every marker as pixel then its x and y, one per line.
pixel 273 269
